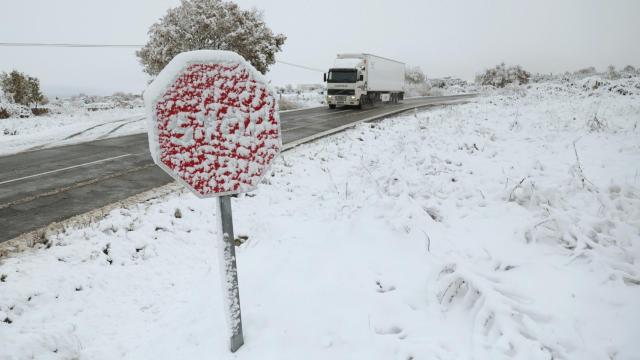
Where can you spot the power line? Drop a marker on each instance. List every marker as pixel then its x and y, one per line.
pixel 300 66
pixel 70 45
pixel 132 46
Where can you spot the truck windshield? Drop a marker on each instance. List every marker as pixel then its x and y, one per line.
pixel 342 76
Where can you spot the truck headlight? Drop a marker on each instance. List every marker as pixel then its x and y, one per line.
pixel 353 97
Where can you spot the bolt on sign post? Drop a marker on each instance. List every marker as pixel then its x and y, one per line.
pixel 214 127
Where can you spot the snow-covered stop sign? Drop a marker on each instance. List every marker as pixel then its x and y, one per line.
pixel 213 122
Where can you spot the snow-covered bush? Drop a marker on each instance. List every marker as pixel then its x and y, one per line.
pixel 414 75
pixel 286 104
pixel 39 111
pixel 4 113
pixel 596 85
pixel 10 109
pixel 300 99
pixel 125 100
pixel 594 82
pixel 612 73
pixel 419 89
pixel 501 75
pixel 118 100
pixel 213 25
pixel 439 87
pixel 22 89
pixel 588 71
pixel 286 89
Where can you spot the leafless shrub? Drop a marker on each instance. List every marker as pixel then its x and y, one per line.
pixel 285 104
pixel 414 75
pixel 595 124
pixel 501 75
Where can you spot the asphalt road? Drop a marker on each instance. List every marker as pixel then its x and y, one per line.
pixel 44 186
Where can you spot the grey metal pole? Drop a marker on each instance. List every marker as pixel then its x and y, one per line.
pixel 230 274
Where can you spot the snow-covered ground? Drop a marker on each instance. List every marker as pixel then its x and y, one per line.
pixel 33 133
pixel 504 228
pixel 306 99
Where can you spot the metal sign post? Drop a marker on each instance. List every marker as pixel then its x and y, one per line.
pixel 214 127
pixel 230 288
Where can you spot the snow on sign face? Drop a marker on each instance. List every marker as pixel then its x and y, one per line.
pixel 213 122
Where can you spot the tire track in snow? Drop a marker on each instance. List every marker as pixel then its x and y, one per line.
pixel 41 146
pixel 118 128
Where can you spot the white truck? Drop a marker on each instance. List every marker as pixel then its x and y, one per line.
pixel 363 80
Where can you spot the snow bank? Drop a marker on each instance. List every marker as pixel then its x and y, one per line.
pixel 504 228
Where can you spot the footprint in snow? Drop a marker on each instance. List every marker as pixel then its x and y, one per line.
pixel 391 330
pixel 384 288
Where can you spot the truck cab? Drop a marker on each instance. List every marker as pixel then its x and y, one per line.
pixel 345 84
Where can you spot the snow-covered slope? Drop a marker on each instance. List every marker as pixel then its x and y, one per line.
pixel 504 228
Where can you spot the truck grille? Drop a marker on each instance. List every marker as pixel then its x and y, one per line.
pixel 341 92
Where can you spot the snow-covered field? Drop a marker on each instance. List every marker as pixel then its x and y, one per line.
pixel 34 133
pixel 504 228
pixel 307 99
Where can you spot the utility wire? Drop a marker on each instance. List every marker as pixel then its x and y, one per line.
pixel 133 46
pixel 69 45
pixel 299 66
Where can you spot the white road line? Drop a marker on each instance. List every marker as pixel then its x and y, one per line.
pixel 67 168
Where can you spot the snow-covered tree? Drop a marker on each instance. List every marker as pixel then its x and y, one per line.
pixel 414 75
pixel 35 95
pixel 588 71
pixel 501 75
pixel 21 88
pixel 612 73
pixel 210 24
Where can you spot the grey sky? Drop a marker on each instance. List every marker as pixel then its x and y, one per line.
pixel 457 38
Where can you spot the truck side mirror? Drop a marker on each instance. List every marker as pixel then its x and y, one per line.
pixel 324 77
pixel 361 77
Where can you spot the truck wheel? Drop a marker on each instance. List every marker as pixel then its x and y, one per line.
pixel 332 106
pixel 363 101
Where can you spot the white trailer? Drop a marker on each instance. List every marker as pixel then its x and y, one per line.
pixel 363 80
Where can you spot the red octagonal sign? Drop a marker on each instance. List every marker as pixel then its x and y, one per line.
pixel 213 122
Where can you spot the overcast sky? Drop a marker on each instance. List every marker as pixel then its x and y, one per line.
pixel 445 38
